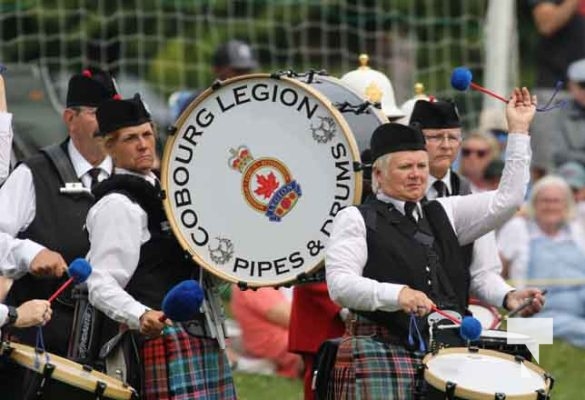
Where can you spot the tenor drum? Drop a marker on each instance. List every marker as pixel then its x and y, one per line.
pixel 254 173
pixel 471 374
pixel 60 378
pixel 362 117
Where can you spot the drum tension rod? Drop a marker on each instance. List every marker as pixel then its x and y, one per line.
pixel 500 396
pixel 243 285
pixel 100 389
pixel 519 358
pixel 358 166
pixel 47 373
pixel 216 85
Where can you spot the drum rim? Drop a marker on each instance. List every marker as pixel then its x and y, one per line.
pixel 25 355
pixel 165 160
pixel 439 383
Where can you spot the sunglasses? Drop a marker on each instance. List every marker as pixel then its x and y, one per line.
pixel 481 153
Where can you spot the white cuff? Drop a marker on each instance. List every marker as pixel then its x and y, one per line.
pixel 388 296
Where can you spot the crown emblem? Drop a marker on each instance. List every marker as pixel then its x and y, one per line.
pixel 241 158
pixel 373 93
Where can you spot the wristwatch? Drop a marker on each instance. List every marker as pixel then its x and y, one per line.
pixel 12 316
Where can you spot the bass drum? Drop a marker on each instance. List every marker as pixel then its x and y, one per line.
pixel 361 116
pixel 254 173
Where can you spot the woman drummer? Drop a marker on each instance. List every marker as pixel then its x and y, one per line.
pixel 136 260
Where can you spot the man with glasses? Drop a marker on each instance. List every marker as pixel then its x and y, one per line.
pixel 477 151
pixel 45 202
pixel 441 127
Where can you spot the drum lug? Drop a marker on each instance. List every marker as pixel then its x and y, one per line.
pixel 243 285
pixel 519 359
pixel 450 390
pixel 100 389
pixel 500 396
pixel 216 85
pixel 171 130
pixel 358 166
pixel 473 349
pixel 541 395
pixel 550 378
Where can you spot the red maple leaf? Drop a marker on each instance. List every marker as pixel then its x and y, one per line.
pixel 266 185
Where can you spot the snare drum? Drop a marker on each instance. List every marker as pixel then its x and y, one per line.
pixel 505 342
pixel 59 378
pixel 487 315
pixel 472 374
pixel 254 174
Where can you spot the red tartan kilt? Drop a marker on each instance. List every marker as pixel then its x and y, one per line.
pixel 368 368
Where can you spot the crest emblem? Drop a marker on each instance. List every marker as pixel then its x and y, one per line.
pixel 267 184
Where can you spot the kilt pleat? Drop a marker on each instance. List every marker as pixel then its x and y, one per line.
pixel 368 367
pixel 186 367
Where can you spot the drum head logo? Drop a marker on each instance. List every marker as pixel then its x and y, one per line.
pixel 267 184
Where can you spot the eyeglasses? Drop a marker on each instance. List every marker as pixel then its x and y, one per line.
pixel 481 153
pixel 450 138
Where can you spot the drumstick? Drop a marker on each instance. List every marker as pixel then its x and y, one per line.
pixel 522 306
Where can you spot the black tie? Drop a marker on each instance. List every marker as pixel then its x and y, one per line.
pixel 409 208
pixel 94 173
pixel 441 189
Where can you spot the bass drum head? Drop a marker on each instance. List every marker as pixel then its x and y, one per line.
pixel 346 100
pixel 254 174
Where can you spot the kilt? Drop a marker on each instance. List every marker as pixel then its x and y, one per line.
pixel 370 365
pixel 178 366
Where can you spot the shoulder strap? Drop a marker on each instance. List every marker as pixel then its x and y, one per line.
pixel 62 162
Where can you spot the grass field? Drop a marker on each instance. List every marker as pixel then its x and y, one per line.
pixel 564 362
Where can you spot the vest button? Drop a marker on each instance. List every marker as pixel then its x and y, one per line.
pixel 427 269
pixel 429 282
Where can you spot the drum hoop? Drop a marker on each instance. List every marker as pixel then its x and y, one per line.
pixel 339 119
pixel 25 356
pixel 439 383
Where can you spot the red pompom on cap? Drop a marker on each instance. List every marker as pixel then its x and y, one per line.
pixel 117 96
pixel 86 73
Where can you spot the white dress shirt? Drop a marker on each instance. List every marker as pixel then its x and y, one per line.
pixel 514 243
pixel 18 195
pixel 117 228
pixel 5 144
pixel 471 217
pixel 487 283
pixel 3 315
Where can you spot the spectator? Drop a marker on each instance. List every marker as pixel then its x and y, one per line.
pixel 230 59
pixel 569 123
pixel 548 249
pixel 561 42
pixel 493 173
pixel 264 317
pixel 477 151
pixel 574 174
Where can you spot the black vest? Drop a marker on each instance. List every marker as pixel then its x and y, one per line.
pixel 426 257
pixel 163 263
pixel 58 225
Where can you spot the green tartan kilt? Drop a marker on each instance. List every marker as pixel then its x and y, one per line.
pixel 368 368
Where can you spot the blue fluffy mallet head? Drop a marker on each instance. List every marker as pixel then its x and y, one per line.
pixel 470 328
pixel 182 302
pixel 461 78
pixel 79 270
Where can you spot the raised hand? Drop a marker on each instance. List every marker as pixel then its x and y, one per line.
pixel 520 110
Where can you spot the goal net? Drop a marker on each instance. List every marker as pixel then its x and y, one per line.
pixel 166 45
